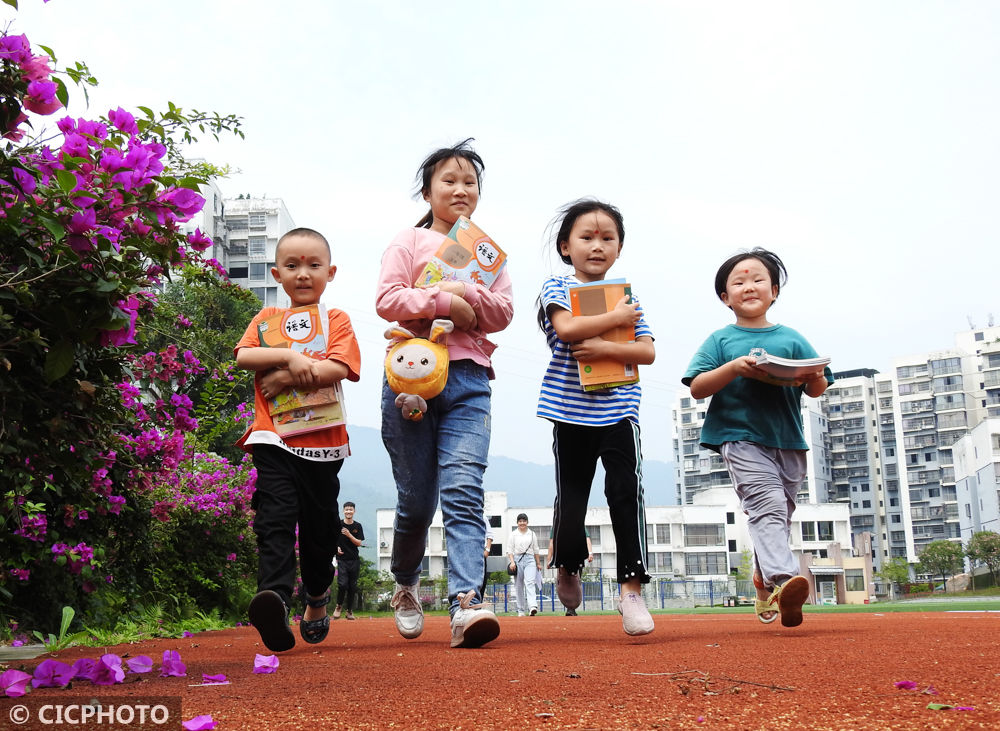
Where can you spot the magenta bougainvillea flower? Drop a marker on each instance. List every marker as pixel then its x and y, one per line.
pixel 140 664
pixel 83 668
pixel 52 674
pixel 905 685
pixel 172 665
pixel 14 683
pixel 263 664
pixel 199 723
pixel 219 679
pixel 107 670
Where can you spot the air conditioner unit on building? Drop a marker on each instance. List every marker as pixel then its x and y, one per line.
pixel 383 544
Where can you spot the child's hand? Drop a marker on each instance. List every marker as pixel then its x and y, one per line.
pixel 302 370
pixel 455 288
pixel 274 382
pixel 462 314
pixel 589 349
pixel 746 366
pixel 628 313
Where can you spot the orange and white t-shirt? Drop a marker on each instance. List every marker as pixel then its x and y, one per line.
pixel 323 445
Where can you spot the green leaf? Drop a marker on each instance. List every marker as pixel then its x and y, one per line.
pixel 53 226
pixel 106 285
pixel 67 618
pixel 67 180
pixel 938 706
pixel 12 3
pixel 58 361
pixel 61 93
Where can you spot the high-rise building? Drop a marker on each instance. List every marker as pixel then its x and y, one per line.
pixel 253 226
pixel 245 233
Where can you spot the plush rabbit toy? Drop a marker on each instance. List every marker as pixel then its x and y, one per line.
pixel 417 368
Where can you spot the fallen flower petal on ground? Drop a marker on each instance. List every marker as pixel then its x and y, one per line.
pixel 199 723
pixel 52 674
pixel 905 684
pixel 265 663
pixel 172 665
pixel 219 679
pixel 140 664
pixel 107 670
pixel 14 682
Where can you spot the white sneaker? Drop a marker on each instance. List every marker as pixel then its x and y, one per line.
pixel 636 619
pixel 409 612
pixel 520 614
pixel 473 625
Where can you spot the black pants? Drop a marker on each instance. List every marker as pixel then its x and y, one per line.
pixel 577 449
pixel 294 491
pixel 348 571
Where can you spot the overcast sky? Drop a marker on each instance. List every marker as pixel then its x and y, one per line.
pixel 858 140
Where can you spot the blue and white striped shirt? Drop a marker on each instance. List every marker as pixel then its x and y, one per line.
pixel 562 397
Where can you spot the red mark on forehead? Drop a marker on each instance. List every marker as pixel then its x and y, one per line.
pixel 746 271
pixel 303 258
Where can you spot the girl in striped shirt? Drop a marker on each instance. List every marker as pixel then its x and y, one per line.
pixel 592 425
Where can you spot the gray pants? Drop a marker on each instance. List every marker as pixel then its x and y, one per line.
pixel 766 481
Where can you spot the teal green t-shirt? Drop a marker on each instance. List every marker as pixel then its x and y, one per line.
pixel 747 409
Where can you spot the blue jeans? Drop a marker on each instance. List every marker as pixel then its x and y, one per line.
pixel 441 457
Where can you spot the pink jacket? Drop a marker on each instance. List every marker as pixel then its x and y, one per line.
pixel 397 300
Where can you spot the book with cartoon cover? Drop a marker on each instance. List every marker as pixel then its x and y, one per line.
pixel 596 298
pixel 298 410
pixel 466 255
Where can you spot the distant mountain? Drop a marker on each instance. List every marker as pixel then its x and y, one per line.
pixel 366 479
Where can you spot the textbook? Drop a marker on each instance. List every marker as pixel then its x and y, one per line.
pixel 298 410
pixel 596 298
pixel 466 255
pixel 787 369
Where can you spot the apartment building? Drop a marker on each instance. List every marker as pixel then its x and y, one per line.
pixel 245 233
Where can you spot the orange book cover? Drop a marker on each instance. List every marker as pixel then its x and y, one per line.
pixel 596 298
pixel 466 255
pixel 295 410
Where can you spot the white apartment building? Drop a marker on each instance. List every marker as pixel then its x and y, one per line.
pixel 977 479
pixel 254 226
pixel 703 541
pixel 245 233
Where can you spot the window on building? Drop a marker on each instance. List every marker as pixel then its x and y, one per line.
pixel 730 518
pixel 866 503
pixel 258 271
pixel 898 536
pixel 705 563
pixel 732 546
pixel 685 403
pixel 855 579
pixel 660 562
pixel 825 530
pixel 686 418
pixel 704 534
pixel 259 291
pixel 658 533
pixel 257 246
pixel 594 531
pixel 257 220
pixel 896 519
pixel 968 510
pixel 809 531
pixel 238 272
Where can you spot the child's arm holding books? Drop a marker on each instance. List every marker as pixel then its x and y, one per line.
pixel 639 352
pixel 283 368
pixel 711 382
pixel 572 329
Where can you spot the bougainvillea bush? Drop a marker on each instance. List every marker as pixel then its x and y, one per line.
pixel 100 482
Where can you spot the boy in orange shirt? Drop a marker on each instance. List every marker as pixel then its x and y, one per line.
pixel 297 476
